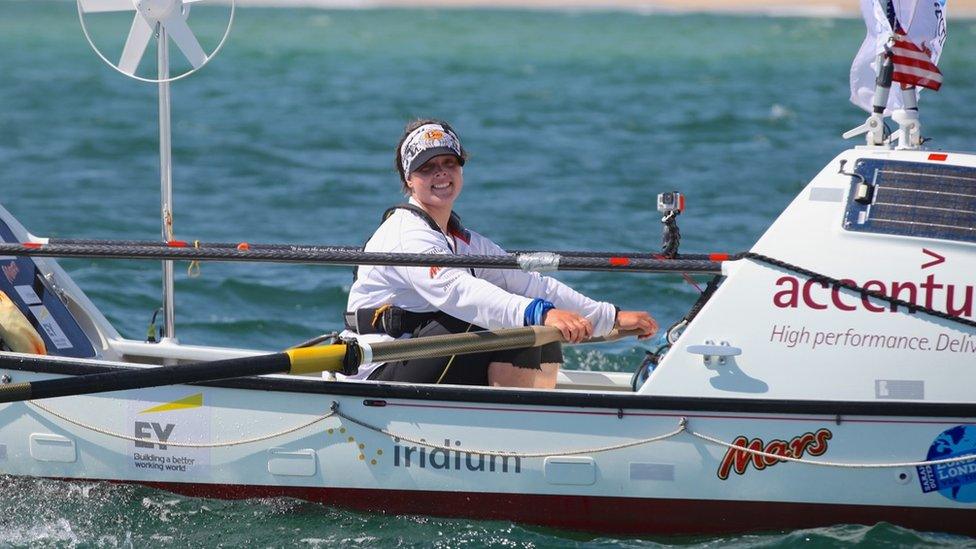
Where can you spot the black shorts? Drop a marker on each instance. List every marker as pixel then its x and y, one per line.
pixel 469 369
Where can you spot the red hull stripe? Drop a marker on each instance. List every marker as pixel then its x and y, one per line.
pixel 938 156
pixel 610 515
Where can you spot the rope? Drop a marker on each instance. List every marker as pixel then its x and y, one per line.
pixel 831 463
pixel 168 223
pixel 451 360
pixel 180 444
pixel 681 427
pixel 817 277
pixel 193 270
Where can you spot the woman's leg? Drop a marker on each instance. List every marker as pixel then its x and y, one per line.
pixel 506 374
pixel 535 368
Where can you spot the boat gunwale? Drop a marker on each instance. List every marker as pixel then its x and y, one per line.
pixel 558 398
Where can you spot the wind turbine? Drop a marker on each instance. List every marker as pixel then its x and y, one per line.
pixel 164 20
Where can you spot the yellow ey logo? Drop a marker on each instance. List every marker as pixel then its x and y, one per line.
pixel 191 401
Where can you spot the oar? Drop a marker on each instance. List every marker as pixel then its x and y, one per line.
pixel 342 357
pixel 336 248
pixel 537 262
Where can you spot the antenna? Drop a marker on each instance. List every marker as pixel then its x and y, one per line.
pixel 165 20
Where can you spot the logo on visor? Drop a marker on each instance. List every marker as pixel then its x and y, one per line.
pixel 434 135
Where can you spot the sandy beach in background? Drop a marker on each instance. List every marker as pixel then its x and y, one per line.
pixel 816 8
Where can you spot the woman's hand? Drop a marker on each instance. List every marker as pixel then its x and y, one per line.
pixel 637 320
pixel 574 327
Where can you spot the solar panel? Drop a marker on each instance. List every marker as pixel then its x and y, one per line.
pixel 912 199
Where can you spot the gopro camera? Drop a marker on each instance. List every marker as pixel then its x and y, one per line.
pixel 670 202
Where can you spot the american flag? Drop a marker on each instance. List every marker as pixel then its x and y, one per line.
pixel 913 66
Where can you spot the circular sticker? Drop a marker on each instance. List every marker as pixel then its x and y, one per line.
pixel 956 480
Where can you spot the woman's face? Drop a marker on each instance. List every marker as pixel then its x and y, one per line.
pixel 437 183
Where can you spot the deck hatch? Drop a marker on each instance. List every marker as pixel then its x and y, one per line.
pixel 914 199
pixel 295 463
pixel 51 447
pixel 570 470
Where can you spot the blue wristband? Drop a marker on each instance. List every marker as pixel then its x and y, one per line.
pixel 536 310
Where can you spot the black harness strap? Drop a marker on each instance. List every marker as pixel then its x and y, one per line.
pixel 394 320
pixel 387 319
pixel 454 227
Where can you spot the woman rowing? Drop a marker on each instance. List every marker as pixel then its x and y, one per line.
pixel 391 302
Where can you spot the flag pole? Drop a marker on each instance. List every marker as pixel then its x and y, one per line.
pixel 166 180
pixel 909 133
pixel 874 126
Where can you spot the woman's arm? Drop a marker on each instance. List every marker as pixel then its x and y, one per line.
pixel 455 291
pixel 600 314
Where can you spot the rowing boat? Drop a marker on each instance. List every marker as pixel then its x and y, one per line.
pixel 844 399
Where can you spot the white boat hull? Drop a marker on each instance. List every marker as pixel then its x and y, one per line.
pixel 680 484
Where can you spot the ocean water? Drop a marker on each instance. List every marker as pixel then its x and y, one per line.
pixel 574 121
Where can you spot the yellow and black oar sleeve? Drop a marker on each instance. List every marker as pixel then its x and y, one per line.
pixel 344 358
pixel 298 361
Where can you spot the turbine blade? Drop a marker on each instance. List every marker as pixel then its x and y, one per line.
pixel 180 32
pixel 135 44
pixel 96 6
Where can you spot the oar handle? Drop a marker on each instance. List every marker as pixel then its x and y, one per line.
pixel 472 342
pixel 459 344
pixel 614 335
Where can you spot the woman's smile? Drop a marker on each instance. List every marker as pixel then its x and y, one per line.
pixel 437 184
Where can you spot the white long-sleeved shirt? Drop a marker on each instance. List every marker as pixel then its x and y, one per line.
pixel 490 298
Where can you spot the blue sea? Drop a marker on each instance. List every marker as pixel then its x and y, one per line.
pixel 575 121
